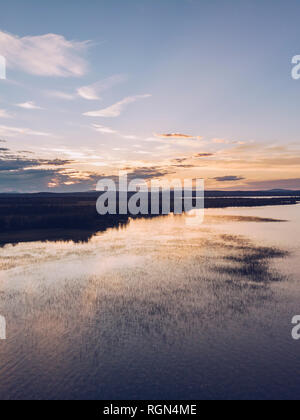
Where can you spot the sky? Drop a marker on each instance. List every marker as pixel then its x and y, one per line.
pixel 161 89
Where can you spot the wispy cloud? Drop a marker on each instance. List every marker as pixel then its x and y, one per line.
pixel 229 178
pixel 92 92
pixel 4 114
pixel 148 173
pixel 129 136
pixel 107 130
pixel 202 155
pixel 44 55
pixel 116 109
pixel 61 95
pixel 29 105
pixel 291 183
pixel 13 131
pixel 177 136
pixel 220 141
pixel 103 129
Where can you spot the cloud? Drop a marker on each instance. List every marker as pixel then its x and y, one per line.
pixel 129 137
pixel 44 55
pixel 29 105
pixel 180 160
pixel 11 161
pixel 174 135
pixel 147 173
pixel 189 162
pixel 116 109
pixel 105 130
pixel 21 171
pixel 220 141
pixel 61 95
pixel 177 136
pixel 54 179
pixel 292 184
pixel 201 155
pixel 4 114
pixel 92 92
pixel 183 165
pixel 88 92
pixel 13 131
pixel 229 178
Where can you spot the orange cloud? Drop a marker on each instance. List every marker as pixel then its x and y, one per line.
pixel 177 136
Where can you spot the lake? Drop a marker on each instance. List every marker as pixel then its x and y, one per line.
pixel 157 309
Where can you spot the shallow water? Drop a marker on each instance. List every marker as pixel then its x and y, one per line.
pixel 156 310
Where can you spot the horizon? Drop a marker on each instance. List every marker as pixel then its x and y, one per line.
pixel 172 189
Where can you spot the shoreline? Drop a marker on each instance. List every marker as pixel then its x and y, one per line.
pixel 79 222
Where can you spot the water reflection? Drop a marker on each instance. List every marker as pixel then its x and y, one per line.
pixel 158 309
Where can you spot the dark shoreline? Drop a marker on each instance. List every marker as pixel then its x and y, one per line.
pixel 30 217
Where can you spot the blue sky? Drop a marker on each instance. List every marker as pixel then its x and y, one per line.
pixel 116 78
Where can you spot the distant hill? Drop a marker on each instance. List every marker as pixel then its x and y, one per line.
pixel 208 193
pixel 281 190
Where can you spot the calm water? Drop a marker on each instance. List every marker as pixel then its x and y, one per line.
pixel 156 310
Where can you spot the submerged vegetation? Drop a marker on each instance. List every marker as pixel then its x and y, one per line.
pixel 248 261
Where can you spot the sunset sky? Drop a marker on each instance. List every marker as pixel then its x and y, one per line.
pixel 163 89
